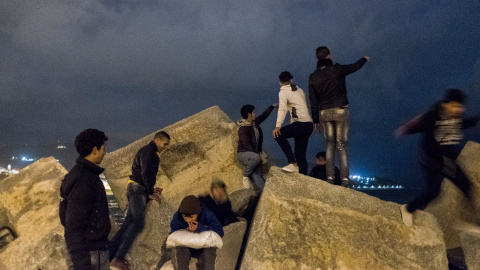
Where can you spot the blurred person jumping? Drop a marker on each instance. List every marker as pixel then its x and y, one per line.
pixel 329 104
pixel 442 129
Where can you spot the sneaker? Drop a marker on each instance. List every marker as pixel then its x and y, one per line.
pixel 246 182
pixel 330 181
pixel 117 264
pixel 407 217
pixel 290 168
pixel 345 182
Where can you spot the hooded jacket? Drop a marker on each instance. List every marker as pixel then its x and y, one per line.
pixel 207 221
pixel 247 141
pixel 84 212
pixel 326 85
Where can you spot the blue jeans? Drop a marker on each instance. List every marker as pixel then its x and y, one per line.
pixel 133 224
pixel 205 258
pixel 252 167
pixel 335 123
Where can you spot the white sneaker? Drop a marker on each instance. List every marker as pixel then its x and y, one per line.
pixel 290 168
pixel 407 217
pixel 246 182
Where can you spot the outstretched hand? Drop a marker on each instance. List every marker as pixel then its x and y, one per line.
pixel 275 105
pixel 276 132
pixel 367 57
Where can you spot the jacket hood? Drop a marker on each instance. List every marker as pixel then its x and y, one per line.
pixel 324 62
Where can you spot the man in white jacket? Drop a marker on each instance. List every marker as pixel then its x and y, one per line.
pixel 292 99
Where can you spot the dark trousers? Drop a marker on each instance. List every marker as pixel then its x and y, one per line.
pixel 300 131
pixel 433 181
pixel 133 224
pixel 206 258
pixel 335 123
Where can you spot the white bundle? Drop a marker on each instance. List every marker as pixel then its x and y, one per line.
pixel 184 238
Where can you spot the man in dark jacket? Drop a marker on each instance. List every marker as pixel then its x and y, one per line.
pixel 320 171
pixel 194 218
pixel 84 205
pixel 442 129
pixel 249 150
pixel 140 189
pixel 329 104
pixel 219 204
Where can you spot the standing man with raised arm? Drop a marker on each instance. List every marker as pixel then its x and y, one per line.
pixel 329 104
pixel 141 188
pixel 292 99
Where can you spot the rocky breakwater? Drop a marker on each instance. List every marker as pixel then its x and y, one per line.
pixel 303 223
pixel 30 203
pixel 452 209
pixel 202 148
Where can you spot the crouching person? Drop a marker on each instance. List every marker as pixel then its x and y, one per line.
pixel 195 219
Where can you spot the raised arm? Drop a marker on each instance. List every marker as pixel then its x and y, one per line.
pixel 348 69
pixel 264 115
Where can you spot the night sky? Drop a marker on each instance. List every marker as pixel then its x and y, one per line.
pixel 131 67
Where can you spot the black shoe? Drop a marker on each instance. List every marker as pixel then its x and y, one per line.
pixel 345 182
pixel 330 180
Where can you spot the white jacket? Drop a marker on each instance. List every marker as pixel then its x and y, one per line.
pixel 293 102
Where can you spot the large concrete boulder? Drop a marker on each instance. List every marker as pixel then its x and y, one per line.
pixel 451 208
pixel 31 199
pixel 471 249
pixel 202 147
pixel 303 223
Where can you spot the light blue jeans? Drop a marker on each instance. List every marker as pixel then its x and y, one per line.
pixel 252 168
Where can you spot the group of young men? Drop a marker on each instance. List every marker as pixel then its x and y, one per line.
pixel 84 207
pixel 329 104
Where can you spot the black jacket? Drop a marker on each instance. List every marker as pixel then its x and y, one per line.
pixel 223 211
pixel 145 167
pixel 326 85
pixel 84 212
pixel 320 172
pixel 246 134
pixel 441 137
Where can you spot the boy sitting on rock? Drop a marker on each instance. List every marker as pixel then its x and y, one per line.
pixel 193 218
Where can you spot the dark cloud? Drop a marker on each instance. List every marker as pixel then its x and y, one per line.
pixel 130 67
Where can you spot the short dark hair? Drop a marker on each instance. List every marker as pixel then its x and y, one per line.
pixel 218 184
pixel 89 139
pixel 246 109
pixel 321 154
pixel 322 52
pixel 161 134
pixel 285 76
pixel 456 95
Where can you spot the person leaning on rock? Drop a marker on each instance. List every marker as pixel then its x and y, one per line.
pixel 218 203
pixel 249 149
pixel 194 218
pixel 141 188
pixel 320 171
pixel 84 206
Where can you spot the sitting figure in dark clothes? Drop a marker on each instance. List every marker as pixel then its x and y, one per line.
pixel 320 171
pixel 217 201
pixel 193 218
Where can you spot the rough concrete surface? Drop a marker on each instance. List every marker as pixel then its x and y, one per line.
pixel 31 199
pixel 306 224
pixel 452 207
pixel 202 147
